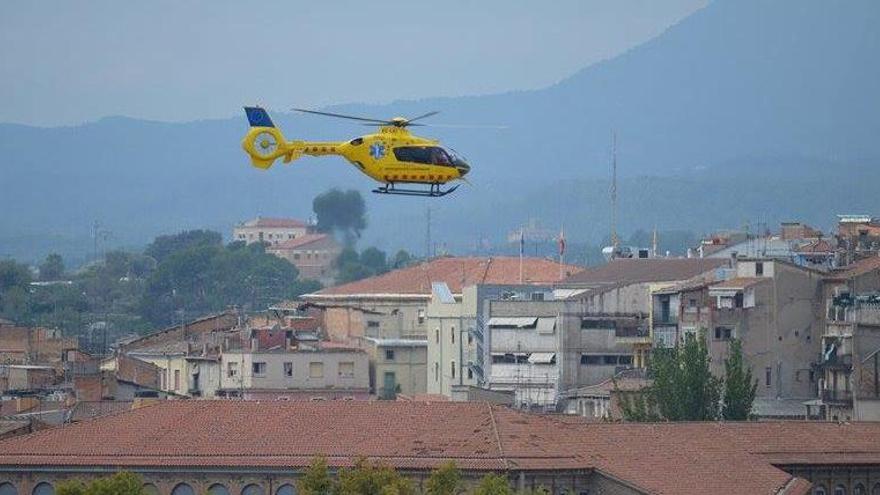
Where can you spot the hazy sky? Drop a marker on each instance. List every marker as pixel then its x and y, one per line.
pixel 67 62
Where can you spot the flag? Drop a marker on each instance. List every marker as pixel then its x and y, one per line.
pixel 561 242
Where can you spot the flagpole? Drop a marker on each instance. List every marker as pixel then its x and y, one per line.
pixel 522 244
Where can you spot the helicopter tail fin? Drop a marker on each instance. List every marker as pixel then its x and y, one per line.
pixel 264 142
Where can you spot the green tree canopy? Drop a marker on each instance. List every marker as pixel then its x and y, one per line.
pixel 683 387
pixel 52 268
pixel 122 483
pixel 165 245
pixel 739 387
pixel 446 480
pixel 367 478
pixel 341 211
pixel 375 260
pixel 14 275
pixel 402 259
pixel 316 480
pixel 494 484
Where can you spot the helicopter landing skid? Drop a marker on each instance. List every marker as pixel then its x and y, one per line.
pixel 433 192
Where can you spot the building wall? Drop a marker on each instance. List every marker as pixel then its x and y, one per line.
pixel 780 335
pixel 409 366
pixel 392 318
pixel 579 341
pixel 305 366
pixel 271 235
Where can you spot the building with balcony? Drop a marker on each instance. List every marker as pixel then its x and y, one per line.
pixel 397 366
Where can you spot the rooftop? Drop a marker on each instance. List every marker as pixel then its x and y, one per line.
pixel 705 457
pixel 301 241
pixel 274 223
pixel 739 283
pixel 645 270
pixel 456 273
pixel 860 267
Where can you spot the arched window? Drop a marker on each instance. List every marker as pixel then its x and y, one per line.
pixel 839 490
pixel 859 489
pixel 8 489
pixel 218 489
pixel 150 489
pixel 819 490
pixel 44 489
pixel 252 489
pixel 286 489
pixel 183 489
pixel 876 489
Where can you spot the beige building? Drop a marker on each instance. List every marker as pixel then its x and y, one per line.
pixel 397 366
pixel 313 255
pixel 300 374
pixel 269 230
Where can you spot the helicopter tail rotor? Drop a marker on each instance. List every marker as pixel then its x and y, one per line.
pixel 264 142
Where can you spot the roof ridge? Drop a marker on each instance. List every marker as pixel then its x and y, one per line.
pixel 501 453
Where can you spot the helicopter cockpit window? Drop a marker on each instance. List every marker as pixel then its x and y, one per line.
pixel 430 155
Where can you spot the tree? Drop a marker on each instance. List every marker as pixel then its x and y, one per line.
pixel 366 478
pixel 683 387
pixel 343 212
pixel 52 268
pixel 494 484
pixel 13 275
pixel 122 483
pixel 739 387
pixel 165 245
pixel 374 259
pixel 446 480
pixel 316 480
pixel 402 259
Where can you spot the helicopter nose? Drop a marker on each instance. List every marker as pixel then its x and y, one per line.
pixel 463 169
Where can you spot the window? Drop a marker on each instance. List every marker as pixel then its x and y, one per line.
pixel 452 364
pixel 537 296
pixel 176 379
pixel 258 369
pixel 470 373
pixel 232 369
pixel 452 333
pixel 598 324
pixel 372 324
pixel 389 354
pixel 252 489
pixel 812 376
pixel 819 490
pixel 421 316
pixel 759 269
pixel 627 360
pixel 346 369
pixel 768 376
pixel 433 155
pixel 692 302
pixel 876 489
pixel 839 490
pixel 183 489
pixel 609 360
pixel 436 371
pixel 218 489
pixel 437 335
pixel 288 370
pixel 470 337
pixel 286 489
pixel 316 369
pixel 859 489
pixel 723 333
pixel 296 256
pixel 590 359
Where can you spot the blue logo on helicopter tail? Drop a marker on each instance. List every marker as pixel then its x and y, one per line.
pixel 377 150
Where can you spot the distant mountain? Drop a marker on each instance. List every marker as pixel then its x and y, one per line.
pixel 746 111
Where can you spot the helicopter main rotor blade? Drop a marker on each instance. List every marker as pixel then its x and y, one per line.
pixel 423 116
pixel 466 126
pixel 341 116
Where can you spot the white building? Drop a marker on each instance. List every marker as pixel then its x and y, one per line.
pixel 271 230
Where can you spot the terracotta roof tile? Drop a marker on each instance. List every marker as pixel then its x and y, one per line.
pixel 704 457
pixel 857 268
pixel 645 270
pixel 457 272
pixel 299 242
pixel 274 223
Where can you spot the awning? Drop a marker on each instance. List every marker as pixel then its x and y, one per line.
pixel 546 325
pixel 513 322
pixel 542 357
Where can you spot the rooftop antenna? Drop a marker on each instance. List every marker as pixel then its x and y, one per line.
pixel 428 232
pixel 615 242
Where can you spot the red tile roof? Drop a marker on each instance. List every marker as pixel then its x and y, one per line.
pixel 739 283
pixel 275 223
pixel 457 273
pixel 857 268
pixel 659 458
pixel 299 242
pixel 645 270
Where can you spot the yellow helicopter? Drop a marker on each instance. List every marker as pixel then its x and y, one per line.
pixel 391 156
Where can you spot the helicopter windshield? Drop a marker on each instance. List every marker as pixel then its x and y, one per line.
pixel 430 155
pixel 457 160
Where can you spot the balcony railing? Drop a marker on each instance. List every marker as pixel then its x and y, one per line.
pixel 837 396
pixel 838 361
